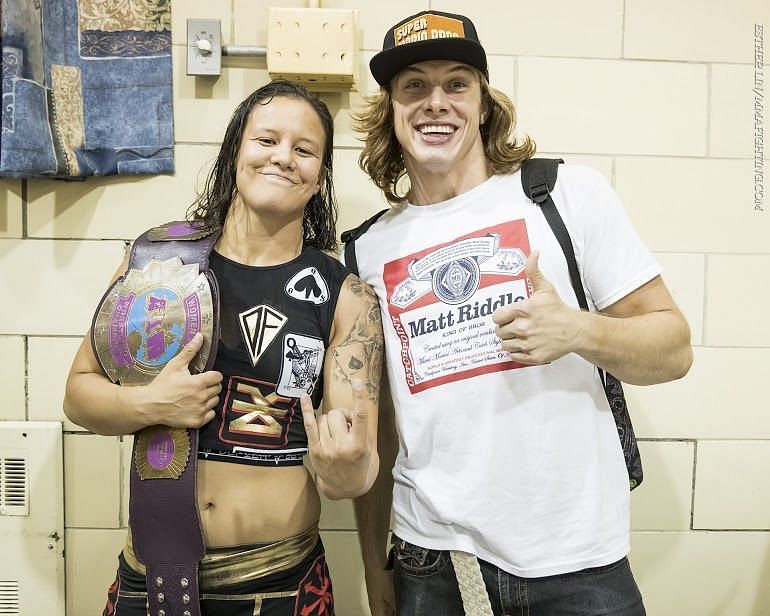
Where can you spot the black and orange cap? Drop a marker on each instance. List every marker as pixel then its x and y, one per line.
pixel 428 35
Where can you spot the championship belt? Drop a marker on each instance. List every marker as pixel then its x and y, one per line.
pixel 147 316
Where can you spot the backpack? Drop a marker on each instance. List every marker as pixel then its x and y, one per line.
pixel 538 177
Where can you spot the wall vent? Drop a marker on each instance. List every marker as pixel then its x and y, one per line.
pixel 9 598
pixel 14 483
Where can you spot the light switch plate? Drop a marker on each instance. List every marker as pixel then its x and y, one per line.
pixel 204 46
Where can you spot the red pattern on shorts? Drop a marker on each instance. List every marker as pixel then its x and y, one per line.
pixel 315 596
pixel 112 598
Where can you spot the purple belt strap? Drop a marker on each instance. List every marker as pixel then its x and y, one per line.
pixel 163 512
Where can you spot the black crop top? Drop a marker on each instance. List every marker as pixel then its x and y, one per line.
pixel 274 328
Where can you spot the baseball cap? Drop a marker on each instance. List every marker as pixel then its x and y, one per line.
pixel 428 35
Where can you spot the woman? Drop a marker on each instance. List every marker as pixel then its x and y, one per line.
pixel 271 193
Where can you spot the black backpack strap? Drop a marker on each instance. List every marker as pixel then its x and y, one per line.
pixel 538 177
pixel 350 236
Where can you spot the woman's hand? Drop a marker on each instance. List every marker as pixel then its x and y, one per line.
pixel 340 447
pixel 179 399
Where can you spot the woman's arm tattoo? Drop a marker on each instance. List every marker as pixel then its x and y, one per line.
pixel 359 352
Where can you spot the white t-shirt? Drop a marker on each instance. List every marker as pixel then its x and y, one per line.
pixel 521 466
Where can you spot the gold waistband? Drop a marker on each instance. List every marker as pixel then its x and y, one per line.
pixel 241 563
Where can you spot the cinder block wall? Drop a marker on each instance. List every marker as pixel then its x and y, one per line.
pixel 656 94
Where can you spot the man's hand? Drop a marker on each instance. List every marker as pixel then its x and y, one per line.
pixel 380 591
pixel 541 328
pixel 340 446
pixel 179 399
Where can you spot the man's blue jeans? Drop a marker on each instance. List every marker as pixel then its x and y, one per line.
pixel 426 585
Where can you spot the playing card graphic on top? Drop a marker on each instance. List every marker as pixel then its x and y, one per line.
pixel 302 363
pixel 308 285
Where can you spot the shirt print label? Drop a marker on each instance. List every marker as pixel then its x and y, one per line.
pixel 441 301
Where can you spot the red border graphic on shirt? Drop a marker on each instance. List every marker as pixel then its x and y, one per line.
pixel 441 301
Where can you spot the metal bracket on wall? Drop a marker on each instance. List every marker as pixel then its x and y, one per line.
pixel 205 49
pixel 314 46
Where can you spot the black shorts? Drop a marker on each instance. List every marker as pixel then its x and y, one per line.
pixel 303 590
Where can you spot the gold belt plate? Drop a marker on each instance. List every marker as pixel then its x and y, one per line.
pixel 149 316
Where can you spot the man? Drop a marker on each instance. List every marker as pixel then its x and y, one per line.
pixel 507 447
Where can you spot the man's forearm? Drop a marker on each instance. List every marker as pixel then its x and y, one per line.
pixel 641 338
pixel 373 519
pixel 640 350
pixel 373 508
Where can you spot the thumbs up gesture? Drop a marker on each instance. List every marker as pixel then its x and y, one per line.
pixel 541 328
pixel 341 445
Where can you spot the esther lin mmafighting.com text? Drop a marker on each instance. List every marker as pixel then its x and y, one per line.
pixel 759 117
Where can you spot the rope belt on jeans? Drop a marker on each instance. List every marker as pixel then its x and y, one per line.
pixel 472 589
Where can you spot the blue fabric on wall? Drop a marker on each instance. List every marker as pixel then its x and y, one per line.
pixel 86 88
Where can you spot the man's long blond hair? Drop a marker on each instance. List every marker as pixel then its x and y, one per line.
pixel 383 161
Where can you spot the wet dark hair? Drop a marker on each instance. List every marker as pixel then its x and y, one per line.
pixel 320 217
